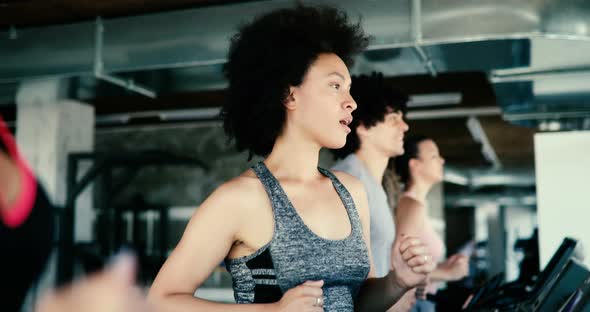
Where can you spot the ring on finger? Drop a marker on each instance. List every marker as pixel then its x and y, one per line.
pixel 319 302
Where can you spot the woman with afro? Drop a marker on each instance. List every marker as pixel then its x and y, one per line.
pixel 294 237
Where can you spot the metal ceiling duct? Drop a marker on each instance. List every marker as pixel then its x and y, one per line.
pixel 510 199
pixel 199 37
pixel 475 179
pixel 536 52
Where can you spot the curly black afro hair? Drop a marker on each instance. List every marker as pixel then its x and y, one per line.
pixel 271 54
pixel 375 99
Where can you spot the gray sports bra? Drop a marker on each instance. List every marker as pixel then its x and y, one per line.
pixel 295 254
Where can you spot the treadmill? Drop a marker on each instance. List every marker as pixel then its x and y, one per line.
pixel 582 304
pixel 515 296
pixel 567 283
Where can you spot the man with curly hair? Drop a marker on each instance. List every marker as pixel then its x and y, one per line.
pixel 294 237
pixel 377 135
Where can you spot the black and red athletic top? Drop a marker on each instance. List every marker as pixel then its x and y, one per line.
pixel 21 207
pixel 26 231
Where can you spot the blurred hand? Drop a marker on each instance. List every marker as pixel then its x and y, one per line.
pixel 307 297
pixel 456 267
pixel 110 290
pixel 411 262
pixel 405 303
pixel 421 292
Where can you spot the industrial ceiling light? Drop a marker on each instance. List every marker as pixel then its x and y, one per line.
pixel 549 125
pixel 12 35
pixel 434 99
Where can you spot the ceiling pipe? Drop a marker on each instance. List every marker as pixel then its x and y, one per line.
pixel 99 73
pixel 475 179
pixel 480 136
pixel 524 199
pixel 527 74
pixel 417 35
pixel 199 37
pixel 454 113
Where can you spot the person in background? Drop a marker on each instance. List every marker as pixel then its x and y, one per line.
pixel 377 132
pixel 420 168
pixel 26 238
pixel 26 224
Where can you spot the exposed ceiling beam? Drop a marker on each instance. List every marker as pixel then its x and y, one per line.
pixel 29 13
pixel 198 36
pixel 480 136
pixel 454 113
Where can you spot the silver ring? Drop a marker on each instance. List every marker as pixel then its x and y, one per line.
pixel 425 258
pixel 319 302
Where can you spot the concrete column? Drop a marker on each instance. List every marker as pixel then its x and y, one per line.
pixel 496 241
pixel 489 227
pixel 48 128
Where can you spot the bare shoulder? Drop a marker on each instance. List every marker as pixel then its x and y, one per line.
pixel 244 184
pixel 410 215
pixel 351 183
pixel 239 193
pixel 356 188
pixel 409 204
